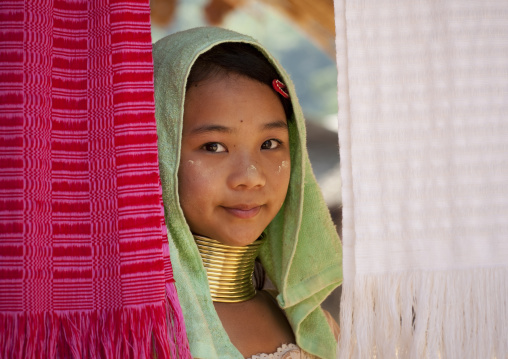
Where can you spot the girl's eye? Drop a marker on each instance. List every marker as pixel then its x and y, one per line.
pixel 270 144
pixel 214 147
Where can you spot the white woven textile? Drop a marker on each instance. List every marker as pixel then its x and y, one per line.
pixel 423 132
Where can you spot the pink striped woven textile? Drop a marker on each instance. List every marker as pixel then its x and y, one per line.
pixel 84 260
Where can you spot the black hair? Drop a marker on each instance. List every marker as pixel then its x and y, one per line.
pixel 238 58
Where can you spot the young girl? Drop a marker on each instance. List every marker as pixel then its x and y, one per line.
pixel 237 182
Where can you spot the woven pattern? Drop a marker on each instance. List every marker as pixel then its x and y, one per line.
pixel 423 99
pixel 82 233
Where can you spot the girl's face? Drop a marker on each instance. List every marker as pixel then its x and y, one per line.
pixel 235 163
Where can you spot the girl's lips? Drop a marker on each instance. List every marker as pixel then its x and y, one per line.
pixel 243 213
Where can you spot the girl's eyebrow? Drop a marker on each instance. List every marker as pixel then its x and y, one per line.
pixel 275 124
pixel 210 128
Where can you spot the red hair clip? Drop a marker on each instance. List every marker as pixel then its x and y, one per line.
pixel 280 88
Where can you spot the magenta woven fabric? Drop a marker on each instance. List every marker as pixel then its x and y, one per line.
pixel 84 261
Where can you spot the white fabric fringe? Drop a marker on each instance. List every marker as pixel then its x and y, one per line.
pixel 459 314
pixel 423 132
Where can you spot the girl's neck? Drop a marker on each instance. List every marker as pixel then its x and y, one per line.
pixel 229 269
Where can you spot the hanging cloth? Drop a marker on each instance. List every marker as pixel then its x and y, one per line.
pixel 423 131
pixel 84 260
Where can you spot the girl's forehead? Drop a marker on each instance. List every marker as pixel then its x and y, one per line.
pixel 223 103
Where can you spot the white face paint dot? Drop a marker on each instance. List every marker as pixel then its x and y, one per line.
pixel 283 165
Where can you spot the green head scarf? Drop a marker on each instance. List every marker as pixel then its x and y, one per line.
pixel 302 254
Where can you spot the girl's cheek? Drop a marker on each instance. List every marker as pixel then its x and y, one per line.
pixel 191 170
pixel 201 176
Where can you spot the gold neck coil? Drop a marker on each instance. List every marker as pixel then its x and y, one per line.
pixel 229 269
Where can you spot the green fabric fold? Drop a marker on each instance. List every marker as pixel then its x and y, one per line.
pixel 302 254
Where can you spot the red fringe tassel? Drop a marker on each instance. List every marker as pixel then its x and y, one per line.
pixel 135 332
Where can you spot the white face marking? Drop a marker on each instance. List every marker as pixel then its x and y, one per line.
pixel 282 166
pixel 251 168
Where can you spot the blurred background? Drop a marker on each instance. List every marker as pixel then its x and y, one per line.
pixel 301 35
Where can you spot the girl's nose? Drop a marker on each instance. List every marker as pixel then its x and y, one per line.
pixel 246 173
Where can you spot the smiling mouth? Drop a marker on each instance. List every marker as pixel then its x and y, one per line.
pixel 243 212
